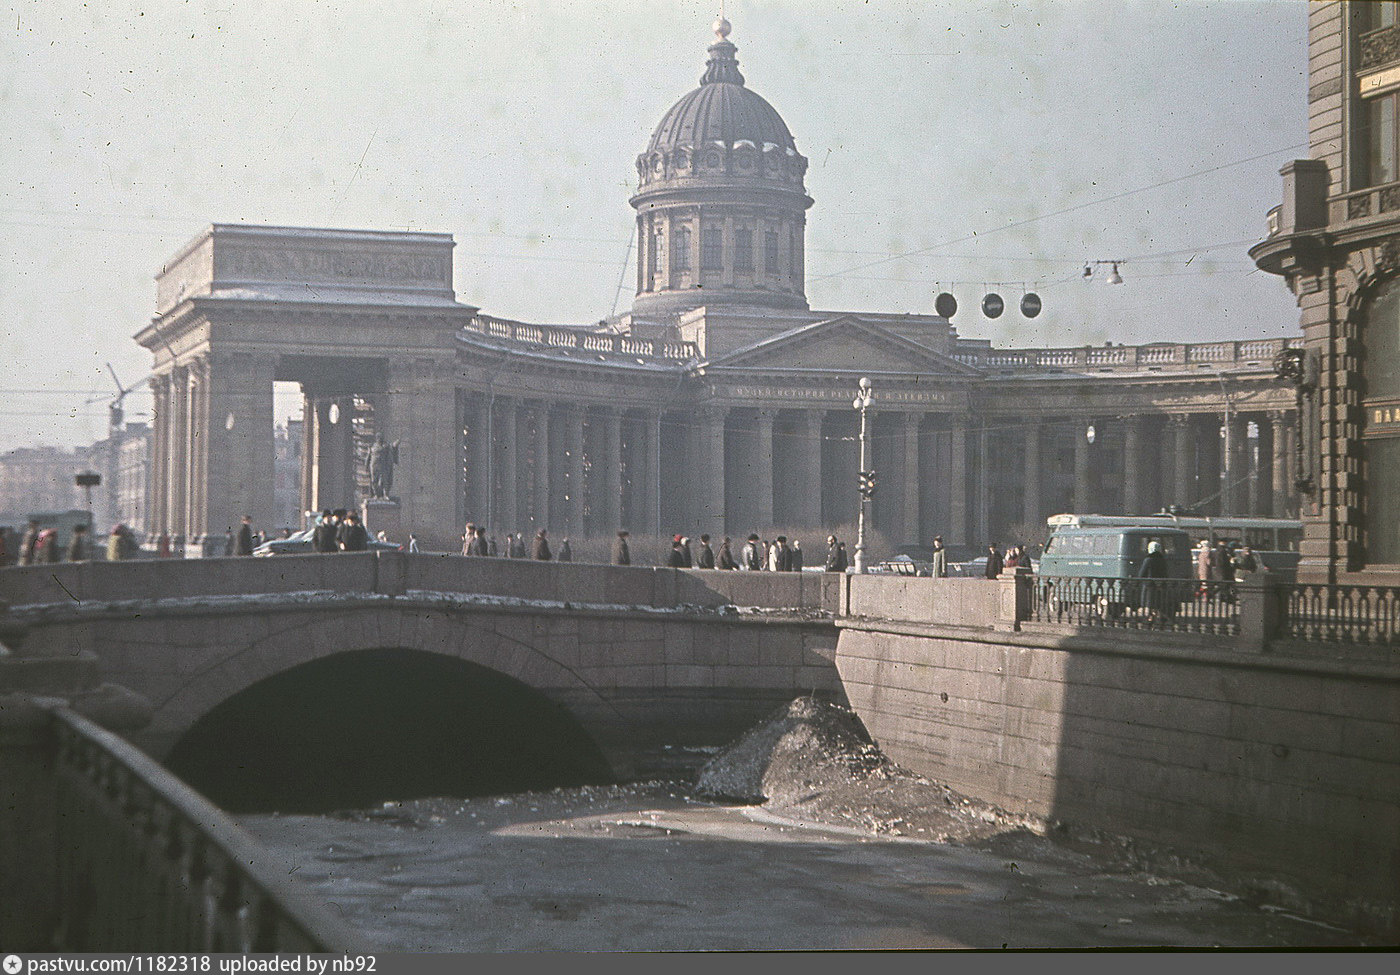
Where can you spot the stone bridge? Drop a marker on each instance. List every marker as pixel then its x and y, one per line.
pixel 1261 734
pixel 320 674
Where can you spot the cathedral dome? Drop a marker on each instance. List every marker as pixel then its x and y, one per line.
pixel 721 129
pixel 720 200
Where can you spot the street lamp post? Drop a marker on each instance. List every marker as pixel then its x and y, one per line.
pixel 866 480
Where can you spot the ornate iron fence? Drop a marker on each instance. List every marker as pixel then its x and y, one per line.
pixel 1176 605
pixel 1341 614
pixel 145 863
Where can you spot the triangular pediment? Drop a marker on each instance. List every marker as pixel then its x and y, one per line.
pixel 844 344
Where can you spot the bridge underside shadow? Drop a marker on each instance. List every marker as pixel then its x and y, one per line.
pixel 367 726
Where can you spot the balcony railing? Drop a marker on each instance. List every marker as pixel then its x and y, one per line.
pixel 562 337
pixel 145 863
pixel 1128 358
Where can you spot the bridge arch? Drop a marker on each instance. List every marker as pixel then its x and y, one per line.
pixel 359 727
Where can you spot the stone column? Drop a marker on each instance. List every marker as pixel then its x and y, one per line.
pixel 157 504
pixel 608 507
pixel 1132 465
pixel 1183 468
pixel 508 449
pixel 1279 430
pixel 1082 467
pixel 761 470
pixel 653 473
pixel 957 483
pixel 982 486
pixel 332 445
pixel 574 443
pixel 912 534
pixel 1232 491
pixel 542 466
pixel 1251 459
pixel 809 428
pixel 1030 497
pixel 477 458
pixel 710 504
pixel 179 452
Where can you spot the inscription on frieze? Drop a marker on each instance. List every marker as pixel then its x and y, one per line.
pixel 826 395
pixel 299 264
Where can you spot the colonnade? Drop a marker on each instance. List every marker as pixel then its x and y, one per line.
pixel 590 468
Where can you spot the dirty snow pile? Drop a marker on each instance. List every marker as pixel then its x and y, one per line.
pixel 813 761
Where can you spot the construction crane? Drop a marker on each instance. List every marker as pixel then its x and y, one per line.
pixel 115 413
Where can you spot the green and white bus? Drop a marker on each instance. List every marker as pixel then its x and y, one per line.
pixel 1274 541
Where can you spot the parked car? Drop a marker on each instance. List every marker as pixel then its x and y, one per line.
pixel 300 543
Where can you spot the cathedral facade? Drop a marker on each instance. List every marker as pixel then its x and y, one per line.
pixel 720 404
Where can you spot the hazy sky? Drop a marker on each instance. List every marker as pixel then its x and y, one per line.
pixel 946 141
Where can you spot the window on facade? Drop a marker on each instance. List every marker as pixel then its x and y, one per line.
pixel 1381 338
pixel 680 249
pixel 712 250
pixel 653 250
pixel 743 250
pixel 770 251
pixel 1376 140
pixel 1374 16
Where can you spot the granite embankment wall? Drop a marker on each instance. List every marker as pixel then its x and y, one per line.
pixel 1276 760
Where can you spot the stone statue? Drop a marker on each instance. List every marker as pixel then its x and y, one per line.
pixel 382 458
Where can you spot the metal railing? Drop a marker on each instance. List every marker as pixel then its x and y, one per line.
pixel 1320 613
pixel 1175 605
pixel 145 863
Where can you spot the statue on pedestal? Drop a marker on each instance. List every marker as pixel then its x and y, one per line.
pixel 382 458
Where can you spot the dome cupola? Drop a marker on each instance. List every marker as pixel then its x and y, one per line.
pixel 721 201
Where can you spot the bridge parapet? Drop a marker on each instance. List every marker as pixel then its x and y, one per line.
pixel 395 573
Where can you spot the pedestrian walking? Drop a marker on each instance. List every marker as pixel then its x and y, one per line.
pixel 705 558
pixel 78 546
pixel 163 545
pixel 323 536
pixel 677 558
pixel 566 554
pixel 28 544
pixel 351 535
pixel 540 552
pixel 835 555
pixel 686 555
pixel 517 546
pixel 939 565
pixel 994 561
pixel 46 548
pixel 751 556
pixel 795 556
pixel 621 554
pixel 245 537
pixel 726 557
pixel 412 543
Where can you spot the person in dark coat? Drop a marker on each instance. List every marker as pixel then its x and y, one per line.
pixel 994 561
pixel 566 554
pixel 835 555
pixel 726 557
pixel 323 535
pixel 783 560
pixel 28 544
pixel 78 546
pixel 352 534
pixel 540 552
pixel 621 554
pixel 517 546
pixel 753 554
pixel 705 558
pixel 795 555
pixel 476 545
pixel 677 560
pixel 1153 596
pixel 686 554
pixel 245 537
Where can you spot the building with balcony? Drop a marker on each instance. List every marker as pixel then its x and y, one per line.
pixel 1336 241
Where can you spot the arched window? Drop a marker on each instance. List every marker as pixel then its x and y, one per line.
pixel 743 249
pixel 712 250
pixel 1380 337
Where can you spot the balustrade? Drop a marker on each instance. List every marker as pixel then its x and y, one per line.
pixel 1341 614
pixel 1176 605
pixel 147 864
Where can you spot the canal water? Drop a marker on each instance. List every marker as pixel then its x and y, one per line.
pixel 649 867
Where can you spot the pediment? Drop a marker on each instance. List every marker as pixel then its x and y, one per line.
pixel 845 344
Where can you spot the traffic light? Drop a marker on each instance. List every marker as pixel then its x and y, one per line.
pixel 867 484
